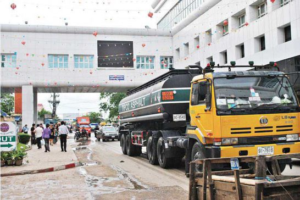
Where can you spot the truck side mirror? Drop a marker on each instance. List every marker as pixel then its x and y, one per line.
pixel 208 96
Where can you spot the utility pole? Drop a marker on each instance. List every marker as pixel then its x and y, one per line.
pixel 54 102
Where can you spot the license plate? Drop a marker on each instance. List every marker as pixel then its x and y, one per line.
pixel 179 117
pixel 113 136
pixel 269 150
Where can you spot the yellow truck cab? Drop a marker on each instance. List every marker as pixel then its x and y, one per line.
pixel 243 113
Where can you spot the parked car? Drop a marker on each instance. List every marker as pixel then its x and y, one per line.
pixel 107 132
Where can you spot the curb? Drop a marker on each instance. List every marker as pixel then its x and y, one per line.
pixel 51 169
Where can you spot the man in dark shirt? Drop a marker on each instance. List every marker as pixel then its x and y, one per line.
pixel 32 130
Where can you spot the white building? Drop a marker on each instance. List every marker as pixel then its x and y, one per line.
pixel 71 59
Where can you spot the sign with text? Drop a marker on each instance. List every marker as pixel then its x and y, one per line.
pixel 116 77
pixel 8 136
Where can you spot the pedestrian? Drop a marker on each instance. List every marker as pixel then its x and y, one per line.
pixel 25 129
pixel 41 125
pixel 46 136
pixel 63 132
pixel 52 134
pixel 55 133
pixel 38 135
pixel 32 130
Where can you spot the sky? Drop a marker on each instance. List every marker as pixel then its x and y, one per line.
pixel 96 13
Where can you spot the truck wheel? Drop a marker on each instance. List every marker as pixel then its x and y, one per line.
pixel 162 160
pixel 123 144
pixel 130 148
pixel 151 151
pixel 198 153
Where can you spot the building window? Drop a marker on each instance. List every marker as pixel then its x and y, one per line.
pixel 8 60
pixel 209 60
pixel 208 37
pixel 58 61
pixel 83 61
pixel 166 62
pixel 224 57
pixel 284 2
pixel 145 62
pixel 240 51
pixel 186 49
pixel 242 20
pixel 262 9
pixel 262 42
pixel 287 34
pixel 225 29
pixel 197 43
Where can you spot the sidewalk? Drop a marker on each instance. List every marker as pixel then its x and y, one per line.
pixel 38 159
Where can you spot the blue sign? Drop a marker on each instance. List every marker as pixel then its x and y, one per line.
pixel 234 163
pixel 116 77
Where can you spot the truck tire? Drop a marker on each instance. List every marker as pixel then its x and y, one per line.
pixel 130 148
pixel 162 160
pixel 198 152
pixel 123 144
pixel 151 151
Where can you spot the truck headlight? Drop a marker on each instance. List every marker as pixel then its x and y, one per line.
pixel 230 141
pixel 292 137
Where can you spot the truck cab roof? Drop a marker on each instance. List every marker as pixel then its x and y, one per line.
pixel 237 74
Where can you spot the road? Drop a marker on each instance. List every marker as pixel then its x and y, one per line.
pixel 106 174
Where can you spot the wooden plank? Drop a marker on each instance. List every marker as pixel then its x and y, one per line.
pixel 225 160
pixel 242 180
pixel 238 194
pixel 282 177
pixel 204 180
pixel 225 172
pixel 210 182
pixel 192 187
pixel 247 190
pixel 260 168
pixel 285 156
pixel 283 183
pixel 258 191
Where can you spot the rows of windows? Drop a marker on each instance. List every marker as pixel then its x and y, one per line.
pixel 87 61
pixel 8 60
pixel 260 45
pixel 179 12
pixel 238 20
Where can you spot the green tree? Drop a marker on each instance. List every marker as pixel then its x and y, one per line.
pixel 7 103
pixel 111 103
pixel 95 117
pixel 42 113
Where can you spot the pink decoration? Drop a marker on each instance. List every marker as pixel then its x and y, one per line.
pixel 143 45
pixel 43 64
pixel 23 42
pixel 272 1
pixel 13 6
pixel 246 24
pixel 225 23
pixel 95 33
pixel 198 46
pixel 91 72
pixel 150 14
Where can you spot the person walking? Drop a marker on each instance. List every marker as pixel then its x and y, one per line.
pixel 41 125
pixel 52 134
pixel 63 132
pixel 38 135
pixel 46 136
pixel 25 129
pixel 55 133
pixel 32 130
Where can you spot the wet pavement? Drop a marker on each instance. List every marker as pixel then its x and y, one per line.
pixel 104 175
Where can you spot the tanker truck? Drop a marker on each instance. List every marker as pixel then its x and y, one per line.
pixel 198 113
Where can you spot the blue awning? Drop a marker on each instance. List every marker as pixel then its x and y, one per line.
pixel 17 118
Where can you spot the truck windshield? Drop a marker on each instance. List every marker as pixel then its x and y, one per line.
pixel 254 93
pixel 109 128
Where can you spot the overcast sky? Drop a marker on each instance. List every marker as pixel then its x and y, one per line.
pixel 99 13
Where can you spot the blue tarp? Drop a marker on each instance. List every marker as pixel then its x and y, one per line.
pixel 4 114
pixel 17 118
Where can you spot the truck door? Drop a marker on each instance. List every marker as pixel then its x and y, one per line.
pixel 201 116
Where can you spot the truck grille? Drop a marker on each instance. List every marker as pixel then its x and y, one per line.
pixel 245 130
pixel 265 129
pixel 284 128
